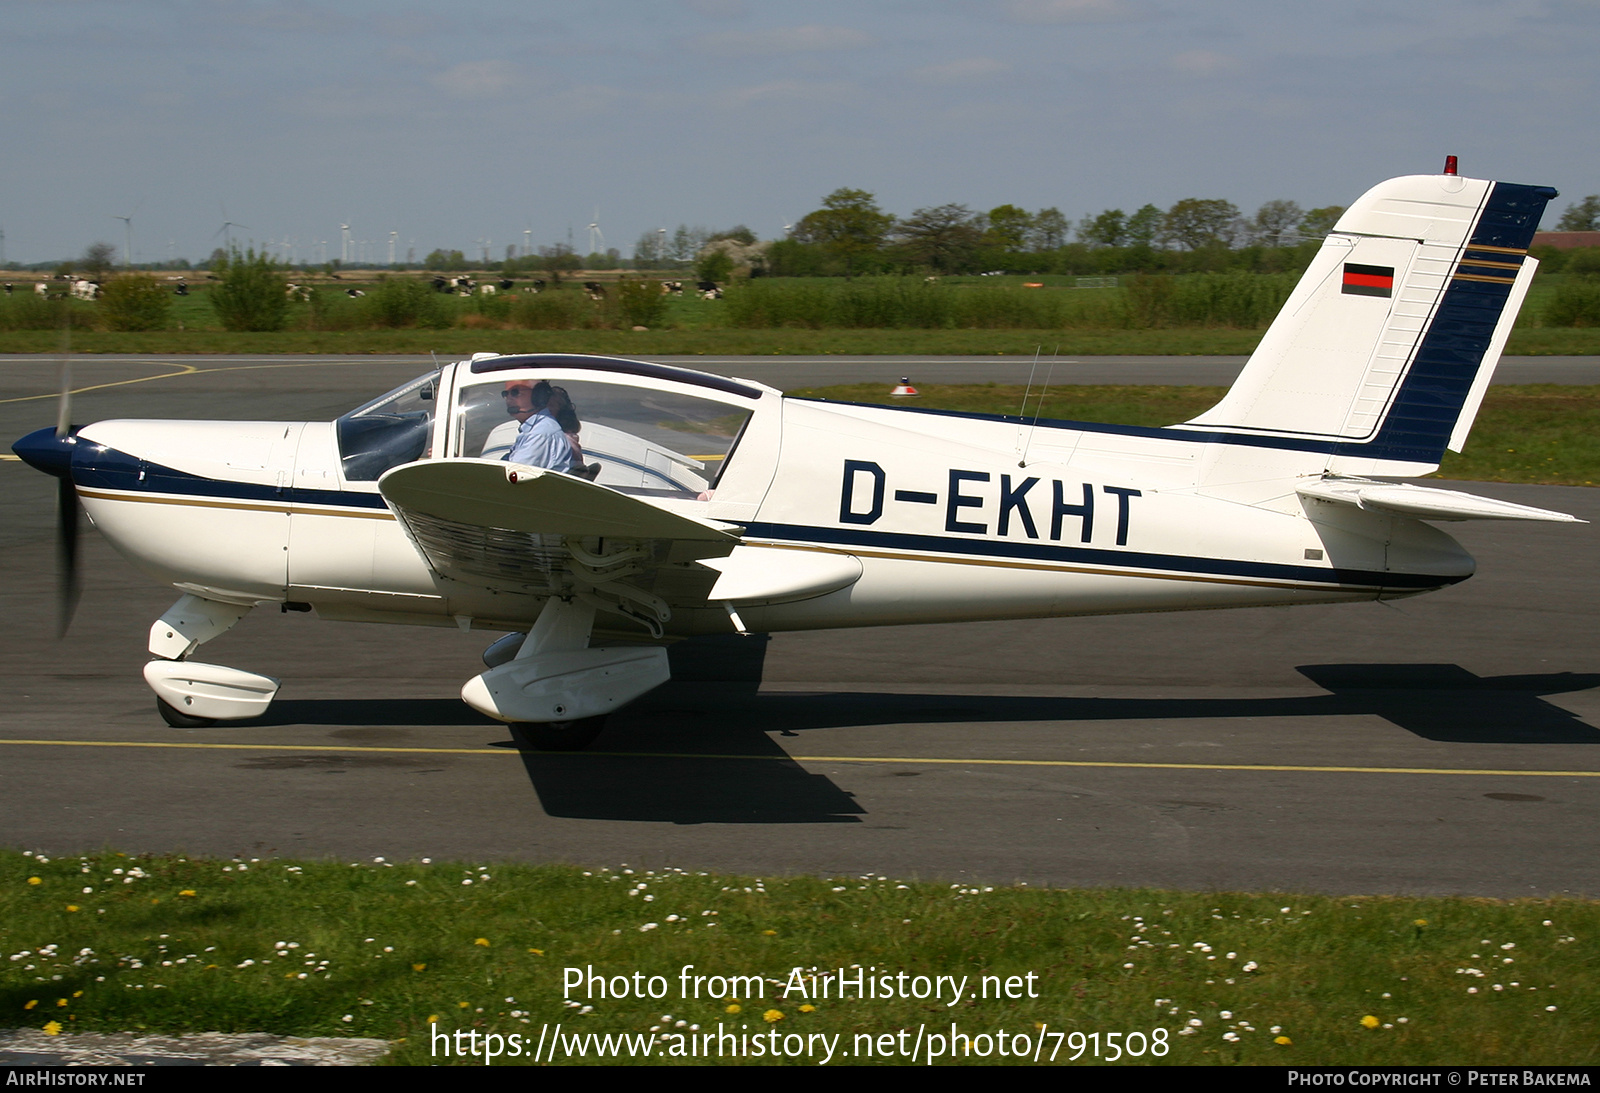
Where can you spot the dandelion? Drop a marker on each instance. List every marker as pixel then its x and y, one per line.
pixel 185 892
pixel 31 1004
pixel 52 1028
pixel 1369 1021
pixel 72 906
pixel 772 1016
pixel 808 1008
pixel 735 1008
pixel 769 933
pixel 1284 1040
pixel 35 880
pixel 418 967
pixel 482 941
pixel 1420 922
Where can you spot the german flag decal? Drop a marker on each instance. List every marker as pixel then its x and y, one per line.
pixel 1368 280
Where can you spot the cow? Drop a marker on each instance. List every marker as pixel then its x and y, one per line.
pixel 595 289
pixel 708 290
pixel 85 290
pixel 672 288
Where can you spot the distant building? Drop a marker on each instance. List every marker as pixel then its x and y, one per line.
pixel 1566 240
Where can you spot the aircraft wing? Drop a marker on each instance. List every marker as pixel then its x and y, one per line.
pixel 492 494
pixel 538 532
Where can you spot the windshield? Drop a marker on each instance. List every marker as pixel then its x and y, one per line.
pixel 640 438
pixel 387 431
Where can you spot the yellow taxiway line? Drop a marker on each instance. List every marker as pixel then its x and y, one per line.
pixel 1107 763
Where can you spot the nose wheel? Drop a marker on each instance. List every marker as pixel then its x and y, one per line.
pixel 180 720
pixel 560 735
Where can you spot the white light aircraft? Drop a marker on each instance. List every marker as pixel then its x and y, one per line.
pixel 721 505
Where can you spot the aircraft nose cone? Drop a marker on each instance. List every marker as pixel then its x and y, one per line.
pixel 43 450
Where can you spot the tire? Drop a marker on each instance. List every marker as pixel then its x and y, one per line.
pixel 180 720
pixel 562 735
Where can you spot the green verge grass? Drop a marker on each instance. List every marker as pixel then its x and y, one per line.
pixel 720 342
pixel 1537 433
pixel 397 950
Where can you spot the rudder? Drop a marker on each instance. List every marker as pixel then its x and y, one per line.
pixel 1381 355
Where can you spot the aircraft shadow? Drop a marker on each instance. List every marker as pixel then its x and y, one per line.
pixel 648 766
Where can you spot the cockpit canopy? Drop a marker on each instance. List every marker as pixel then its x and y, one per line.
pixel 632 426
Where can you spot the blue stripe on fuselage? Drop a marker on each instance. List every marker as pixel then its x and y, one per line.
pixel 95 466
pixel 1130 559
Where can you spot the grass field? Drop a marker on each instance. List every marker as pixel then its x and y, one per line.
pixel 1543 433
pixel 1221 315
pixel 396 950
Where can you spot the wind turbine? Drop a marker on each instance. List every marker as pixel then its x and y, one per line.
pixel 226 231
pixel 127 236
pixel 394 237
pixel 596 239
pixel 344 244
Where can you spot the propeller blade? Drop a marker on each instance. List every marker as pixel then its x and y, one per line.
pixel 66 515
pixel 64 406
pixel 66 554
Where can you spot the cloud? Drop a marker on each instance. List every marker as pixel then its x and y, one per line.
pixel 814 38
pixel 477 79
pixel 965 70
pixel 1067 11
pixel 717 9
pixel 791 91
pixel 1203 62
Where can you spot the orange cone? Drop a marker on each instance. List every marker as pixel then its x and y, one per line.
pixel 904 389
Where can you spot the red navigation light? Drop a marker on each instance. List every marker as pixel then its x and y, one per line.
pixel 1449 165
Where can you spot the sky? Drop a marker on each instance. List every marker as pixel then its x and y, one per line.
pixel 523 122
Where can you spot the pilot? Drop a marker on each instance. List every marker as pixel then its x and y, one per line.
pixel 540 442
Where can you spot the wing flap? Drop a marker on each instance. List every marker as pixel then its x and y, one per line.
pixel 754 575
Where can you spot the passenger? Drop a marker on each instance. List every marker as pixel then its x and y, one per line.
pixel 540 441
pixel 566 415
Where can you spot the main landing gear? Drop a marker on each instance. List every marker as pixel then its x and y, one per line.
pixel 555 689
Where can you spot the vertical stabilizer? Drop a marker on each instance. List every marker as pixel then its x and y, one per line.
pixel 1380 357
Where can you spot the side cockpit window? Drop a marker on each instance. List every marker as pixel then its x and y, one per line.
pixel 388 431
pixel 620 435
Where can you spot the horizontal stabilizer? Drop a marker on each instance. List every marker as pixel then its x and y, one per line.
pixel 490 494
pixel 1424 503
